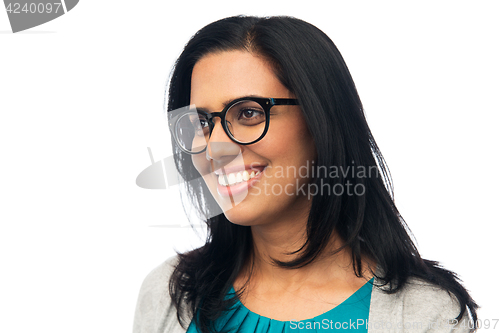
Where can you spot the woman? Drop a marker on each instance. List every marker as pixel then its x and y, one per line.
pixel 309 238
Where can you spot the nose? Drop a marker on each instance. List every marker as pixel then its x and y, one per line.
pixel 220 148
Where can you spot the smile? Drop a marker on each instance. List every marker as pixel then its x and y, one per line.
pixel 238 181
pixel 236 177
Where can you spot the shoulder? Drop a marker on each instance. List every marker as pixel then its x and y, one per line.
pixel 419 306
pixel 157 280
pixel 154 311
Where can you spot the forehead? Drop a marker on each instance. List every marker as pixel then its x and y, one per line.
pixel 223 76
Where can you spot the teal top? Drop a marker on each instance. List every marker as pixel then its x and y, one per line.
pixel 350 315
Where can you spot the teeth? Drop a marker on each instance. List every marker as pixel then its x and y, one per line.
pixel 236 178
pixel 231 179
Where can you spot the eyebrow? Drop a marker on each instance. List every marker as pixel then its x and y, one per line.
pixel 226 103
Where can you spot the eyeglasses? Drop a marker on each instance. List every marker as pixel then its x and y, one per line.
pixel 245 121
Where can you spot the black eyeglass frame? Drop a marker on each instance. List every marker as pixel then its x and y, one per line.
pixel 265 103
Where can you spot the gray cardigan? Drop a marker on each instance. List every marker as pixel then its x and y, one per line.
pixel 418 307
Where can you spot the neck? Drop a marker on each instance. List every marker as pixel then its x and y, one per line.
pixel 278 242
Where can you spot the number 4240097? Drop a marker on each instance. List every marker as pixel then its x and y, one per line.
pixel 15 8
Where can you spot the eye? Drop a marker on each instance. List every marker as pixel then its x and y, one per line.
pixel 245 113
pixel 249 114
pixel 199 123
pixel 202 122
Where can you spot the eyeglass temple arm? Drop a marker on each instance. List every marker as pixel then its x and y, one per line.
pixel 284 101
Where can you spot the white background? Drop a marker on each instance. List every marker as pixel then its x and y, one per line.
pixel 81 100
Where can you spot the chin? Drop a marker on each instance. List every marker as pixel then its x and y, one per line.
pixel 241 217
pixel 239 209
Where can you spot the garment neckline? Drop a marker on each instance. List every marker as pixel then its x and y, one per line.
pixel 364 289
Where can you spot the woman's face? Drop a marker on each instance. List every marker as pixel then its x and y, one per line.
pixel 279 161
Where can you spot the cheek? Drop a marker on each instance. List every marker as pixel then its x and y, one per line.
pixel 200 163
pixel 291 143
pixel 304 140
pixel 278 141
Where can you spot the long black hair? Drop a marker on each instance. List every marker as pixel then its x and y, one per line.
pixel 309 65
